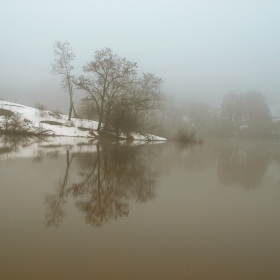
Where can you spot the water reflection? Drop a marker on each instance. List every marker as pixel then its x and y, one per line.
pixel 55 202
pixel 15 144
pixel 109 178
pixel 194 220
pixel 114 174
pixel 242 164
pixel 102 178
pixel 245 166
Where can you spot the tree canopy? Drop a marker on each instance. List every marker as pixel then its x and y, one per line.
pixel 121 100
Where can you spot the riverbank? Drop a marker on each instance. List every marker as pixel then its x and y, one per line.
pixel 20 119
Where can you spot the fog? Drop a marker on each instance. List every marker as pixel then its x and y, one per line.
pixel 202 49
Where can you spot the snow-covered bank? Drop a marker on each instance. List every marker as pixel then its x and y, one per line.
pixel 27 147
pixel 54 124
pixel 12 147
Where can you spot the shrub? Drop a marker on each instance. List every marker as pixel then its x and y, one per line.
pixel 16 124
pixel 40 106
pixel 41 109
pixel 184 136
pixel 56 114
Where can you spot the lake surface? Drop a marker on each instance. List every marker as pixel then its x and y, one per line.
pixel 157 211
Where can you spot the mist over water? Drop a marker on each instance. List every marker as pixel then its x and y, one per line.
pixel 80 208
pixel 149 211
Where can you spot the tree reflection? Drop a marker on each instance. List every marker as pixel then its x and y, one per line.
pixel 106 180
pixel 109 179
pixel 10 144
pixel 14 144
pixel 244 166
pixel 55 212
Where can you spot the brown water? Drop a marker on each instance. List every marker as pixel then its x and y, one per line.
pixel 160 211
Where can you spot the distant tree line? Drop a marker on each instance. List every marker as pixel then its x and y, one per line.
pixel 244 115
pixel 120 100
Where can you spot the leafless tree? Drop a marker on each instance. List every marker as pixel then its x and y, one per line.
pixel 108 76
pixel 63 67
pixel 145 97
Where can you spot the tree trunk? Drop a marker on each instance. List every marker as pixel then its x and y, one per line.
pixel 70 111
pixel 106 119
pixel 101 115
pixel 99 125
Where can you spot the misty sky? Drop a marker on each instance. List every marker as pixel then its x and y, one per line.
pixel 199 48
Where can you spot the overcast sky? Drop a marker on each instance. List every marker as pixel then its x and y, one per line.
pixel 199 48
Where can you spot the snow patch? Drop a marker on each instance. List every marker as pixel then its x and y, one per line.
pixel 60 126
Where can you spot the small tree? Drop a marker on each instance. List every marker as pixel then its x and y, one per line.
pixel 63 67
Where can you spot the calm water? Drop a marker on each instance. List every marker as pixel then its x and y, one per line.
pixel 158 211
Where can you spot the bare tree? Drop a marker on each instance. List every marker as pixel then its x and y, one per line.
pixel 63 67
pixel 109 76
pixel 132 107
pixel 145 97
